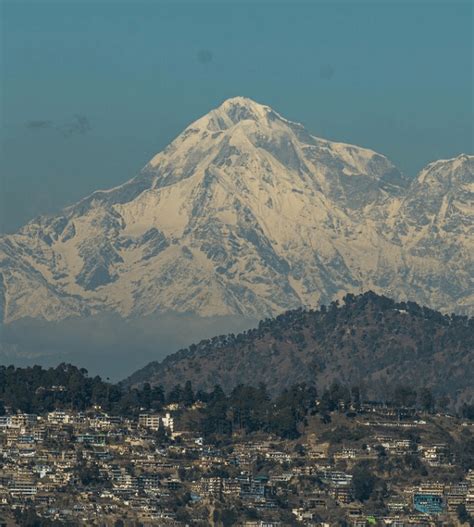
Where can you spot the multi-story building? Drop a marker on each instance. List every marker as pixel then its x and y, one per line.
pixel 152 421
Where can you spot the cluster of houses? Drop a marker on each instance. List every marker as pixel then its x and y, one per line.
pixel 86 467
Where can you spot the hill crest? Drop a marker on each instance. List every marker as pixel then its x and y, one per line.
pixel 369 340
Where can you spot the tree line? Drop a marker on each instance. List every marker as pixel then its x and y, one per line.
pixel 245 408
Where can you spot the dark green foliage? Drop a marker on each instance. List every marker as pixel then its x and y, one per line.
pixel 162 435
pixel 404 397
pixel 463 515
pixel 216 418
pixel 334 397
pixel 356 397
pixel 38 390
pixel 175 395
pixel 227 517
pixel 426 399
pixel 468 411
pixel 89 474
pixel 465 452
pixel 250 409
pixel 290 409
pixel 188 394
pixel 363 482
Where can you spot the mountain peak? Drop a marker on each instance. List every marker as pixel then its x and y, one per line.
pixel 459 168
pixel 246 212
pixel 459 159
pixel 244 102
pixel 235 110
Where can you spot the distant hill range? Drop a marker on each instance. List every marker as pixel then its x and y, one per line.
pixel 368 340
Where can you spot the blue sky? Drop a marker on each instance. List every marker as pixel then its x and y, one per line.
pixel 91 90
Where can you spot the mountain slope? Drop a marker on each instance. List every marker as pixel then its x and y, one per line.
pixel 247 213
pixel 370 340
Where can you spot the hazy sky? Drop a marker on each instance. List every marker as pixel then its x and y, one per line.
pixel 91 90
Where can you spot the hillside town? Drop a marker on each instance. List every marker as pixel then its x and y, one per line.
pixel 363 465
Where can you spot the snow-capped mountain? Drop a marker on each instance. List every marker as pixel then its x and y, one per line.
pixel 247 213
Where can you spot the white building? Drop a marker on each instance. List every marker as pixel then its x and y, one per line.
pixel 152 421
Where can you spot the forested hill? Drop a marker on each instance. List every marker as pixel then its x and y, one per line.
pixel 368 340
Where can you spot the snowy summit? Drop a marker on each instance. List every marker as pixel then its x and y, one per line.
pixel 247 213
